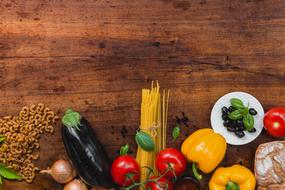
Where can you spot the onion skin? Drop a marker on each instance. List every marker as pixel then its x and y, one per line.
pixel 61 171
pixel 75 184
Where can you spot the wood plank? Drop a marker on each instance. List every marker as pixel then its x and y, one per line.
pixel 57 31
pixel 108 94
pixel 96 55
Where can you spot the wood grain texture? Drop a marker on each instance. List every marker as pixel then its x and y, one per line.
pixel 96 55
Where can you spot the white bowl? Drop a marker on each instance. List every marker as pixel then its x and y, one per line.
pixel 217 121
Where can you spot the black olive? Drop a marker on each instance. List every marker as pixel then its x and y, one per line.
pixel 240 123
pixel 231 109
pixel 252 130
pixel 227 123
pixel 225 117
pixel 234 123
pixel 231 129
pixel 239 128
pixel 239 134
pixel 224 110
pixel 252 111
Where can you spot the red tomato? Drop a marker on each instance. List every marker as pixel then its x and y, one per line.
pixel 123 166
pixel 161 184
pixel 172 157
pixel 274 121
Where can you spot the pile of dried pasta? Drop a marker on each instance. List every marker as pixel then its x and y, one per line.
pixel 22 135
pixel 154 109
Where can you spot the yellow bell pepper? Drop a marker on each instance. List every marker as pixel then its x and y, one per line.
pixel 205 148
pixel 232 178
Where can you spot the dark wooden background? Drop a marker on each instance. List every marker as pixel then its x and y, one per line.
pixel 95 56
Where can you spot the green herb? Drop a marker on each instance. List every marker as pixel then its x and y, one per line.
pixel 124 149
pixel 237 103
pixel 241 112
pixel 145 141
pixel 2 138
pixel 176 132
pixel 244 111
pixel 8 173
pixel 248 122
pixel 235 115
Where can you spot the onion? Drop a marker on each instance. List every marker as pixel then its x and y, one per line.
pixel 75 184
pixel 61 171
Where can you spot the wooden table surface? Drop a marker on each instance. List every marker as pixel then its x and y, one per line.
pixel 96 55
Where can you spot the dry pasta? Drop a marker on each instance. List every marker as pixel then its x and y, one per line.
pixel 154 122
pixel 22 135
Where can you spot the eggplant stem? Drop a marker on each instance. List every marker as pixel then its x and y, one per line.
pixel 71 119
pixel 195 171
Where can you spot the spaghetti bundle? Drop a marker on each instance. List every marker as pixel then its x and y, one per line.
pixel 154 108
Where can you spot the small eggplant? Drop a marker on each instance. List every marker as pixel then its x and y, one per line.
pixel 85 151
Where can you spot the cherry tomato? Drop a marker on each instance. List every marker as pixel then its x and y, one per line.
pixel 161 184
pixel 171 157
pixel 124 166
pixel 274 122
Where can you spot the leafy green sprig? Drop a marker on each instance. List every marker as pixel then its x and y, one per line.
pixel 241 112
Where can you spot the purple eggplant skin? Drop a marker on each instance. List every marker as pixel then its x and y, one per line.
pixel 85 151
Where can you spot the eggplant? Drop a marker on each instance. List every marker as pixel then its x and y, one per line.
pixel 85 151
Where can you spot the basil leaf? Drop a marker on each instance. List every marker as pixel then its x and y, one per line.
pixel 8 173
pixel 124 149
pixel 176 132
pixel 244 111
pixel 237 103
pixel 2 139
pixel 1 182
pixel 145 141
pixel 235 115
pixel 248 122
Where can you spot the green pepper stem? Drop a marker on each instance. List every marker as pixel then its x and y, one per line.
pixel 232 186
pixel 195 171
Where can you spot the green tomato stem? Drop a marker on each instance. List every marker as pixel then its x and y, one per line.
pixel 155 180
pixel 132 186
pixel 195 171
pixel 124 149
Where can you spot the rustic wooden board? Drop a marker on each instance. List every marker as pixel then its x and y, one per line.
pixel 95 56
